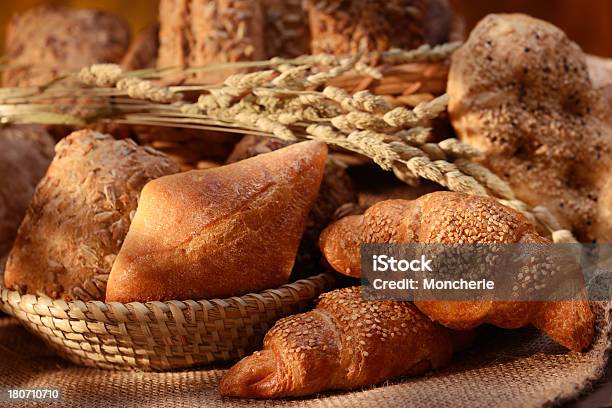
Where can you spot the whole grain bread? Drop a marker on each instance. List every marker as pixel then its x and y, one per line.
pixel 520 90
pixel 354 26
pixel 197 32
pixel 80 214
pixel 287 32
pixel 25 154
pixel 47 41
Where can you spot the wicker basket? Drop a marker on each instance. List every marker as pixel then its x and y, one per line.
pixel 158 336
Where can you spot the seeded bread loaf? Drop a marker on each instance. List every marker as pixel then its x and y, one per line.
pixel 287 33
pixel 80 214
pixel 520 90
pixel 143 50
pixel 47 41
pixel 25 154
pixel 198 32
pixel 353 26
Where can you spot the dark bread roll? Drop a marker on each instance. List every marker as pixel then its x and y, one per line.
pixel 353 26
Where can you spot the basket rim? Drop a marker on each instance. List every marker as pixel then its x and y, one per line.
pixel 9 299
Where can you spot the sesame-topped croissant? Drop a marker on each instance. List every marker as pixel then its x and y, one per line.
pixel 344 343
pixel 456 218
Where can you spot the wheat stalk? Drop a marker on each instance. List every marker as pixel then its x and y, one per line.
pixel 286 99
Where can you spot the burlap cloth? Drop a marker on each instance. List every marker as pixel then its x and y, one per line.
pixel 505 368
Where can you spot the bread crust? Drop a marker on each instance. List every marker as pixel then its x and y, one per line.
pixel 80 214
pixel 350 27
pixel 219 232
pixel 336 190
pixel 47 41
pixel 198 32
pixel 344 343
pixel 600 71
pixel 520 91
pixel 450 218
pixel 287 33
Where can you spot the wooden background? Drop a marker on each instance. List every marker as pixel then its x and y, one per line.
pixel 588 22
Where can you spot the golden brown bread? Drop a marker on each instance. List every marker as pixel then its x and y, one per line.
pixel 520 91
pixel 219 232
pixel 345 27
pixel 79 215
pixel 25 154
pixel 449 218
pixel 336 190
pixel 47 41
pixel 197 32
pixel 344 343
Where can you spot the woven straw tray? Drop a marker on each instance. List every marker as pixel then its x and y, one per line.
pixel 158 336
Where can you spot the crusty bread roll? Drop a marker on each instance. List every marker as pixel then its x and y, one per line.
pixel 46 41
pixel 519 89
pixel 25 154
pixel 198 32
pixel 336 190
pixel 79 215
pixel 345 343
pixel 450 218
pixel 219 232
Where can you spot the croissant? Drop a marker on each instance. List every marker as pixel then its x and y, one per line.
pixel 445 217
pixel 344 343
